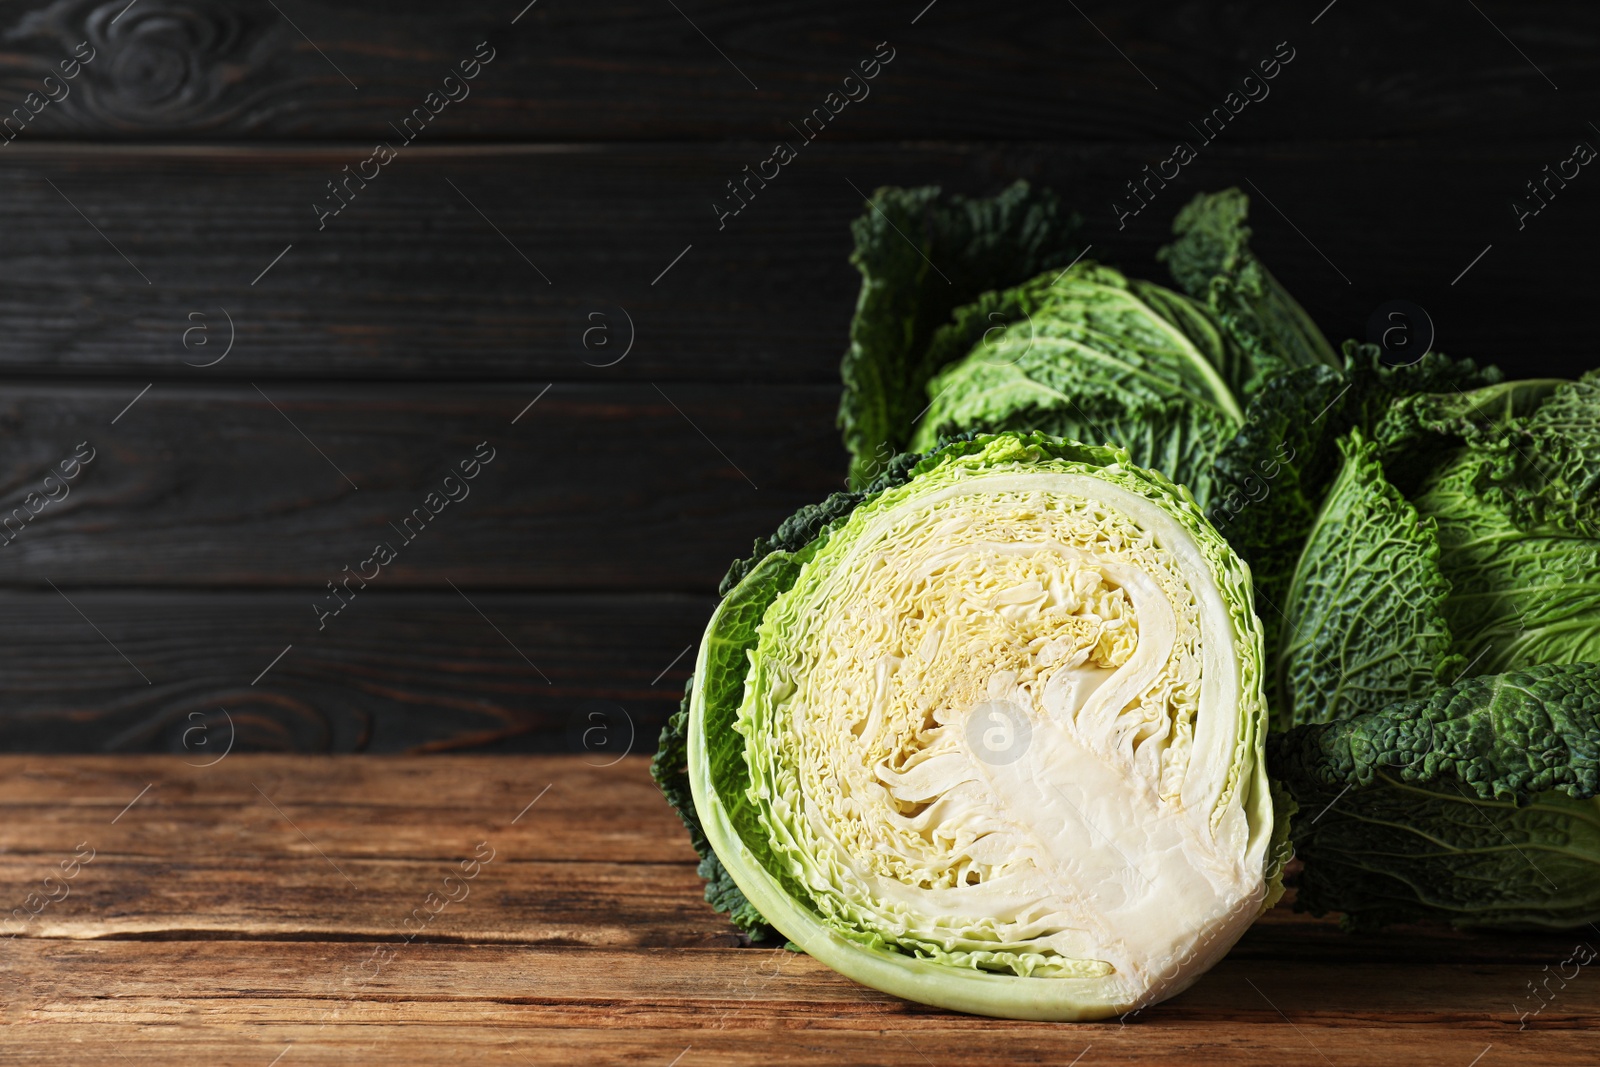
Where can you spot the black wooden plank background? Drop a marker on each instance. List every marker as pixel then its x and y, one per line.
pixel 267 391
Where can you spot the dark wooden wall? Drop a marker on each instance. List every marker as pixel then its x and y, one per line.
pixel 521 243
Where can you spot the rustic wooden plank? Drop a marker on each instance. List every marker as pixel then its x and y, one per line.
pixel 614 70
pixel 549 849
pixel 306 899
pixel 90 786
pixel 395 819
pixel 529 849
pixel 404 671
pixel 310 897
pixel 371 808
pixel 411 281
pixel 167 996
pixel 622 487
pixel 135 889
pixel 445 984
pixel 260 880
pixel 392 1042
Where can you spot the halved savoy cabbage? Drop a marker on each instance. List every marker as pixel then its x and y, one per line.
pixel 987 735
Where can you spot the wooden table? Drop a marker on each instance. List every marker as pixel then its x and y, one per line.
pixel 254 912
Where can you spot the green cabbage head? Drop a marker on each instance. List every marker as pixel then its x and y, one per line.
pixel 988 734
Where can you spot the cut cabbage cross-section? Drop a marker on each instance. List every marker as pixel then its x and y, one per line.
pixel 989 738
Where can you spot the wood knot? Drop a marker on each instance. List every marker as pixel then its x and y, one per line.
pixel 165 64
pixel 163 59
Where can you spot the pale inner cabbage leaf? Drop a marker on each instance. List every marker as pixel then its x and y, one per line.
pixel 995 726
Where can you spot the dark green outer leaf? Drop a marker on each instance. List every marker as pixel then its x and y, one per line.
pixel 670 769
pixel 921 255
pixel 1087 332
pixel 1503 737
pixel 1272 476
pixel 1507 474
pixel 1536 443
pixel 1421 432
pixel 1477 804
pixel 1375 386
pixel 1269 479
pixel 1365 624
pixel 1474 805
pixel 1212 261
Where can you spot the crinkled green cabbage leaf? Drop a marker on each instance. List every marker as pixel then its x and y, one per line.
pixel 1095 356
pixel 947 338
pixel 1271 477
pixel 1365 623
pixel 1459 540
pixel 1092 355
pixel 1471 558
pixel 922 255
pixel 1474 805
pixel 1212 261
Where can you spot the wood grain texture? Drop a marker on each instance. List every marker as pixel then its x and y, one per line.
pixel 627 496
pixel 513 1031
pixel 411 281
pixel 365 814
pixel 626 488
pixel 372 809
pixel 446 983
pixel 592 673
pixel 624 69
pixel 211 925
